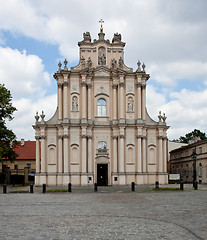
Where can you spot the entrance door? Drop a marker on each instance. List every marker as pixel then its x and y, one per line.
pixel 102 174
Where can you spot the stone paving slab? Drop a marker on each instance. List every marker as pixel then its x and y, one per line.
pixel 115 214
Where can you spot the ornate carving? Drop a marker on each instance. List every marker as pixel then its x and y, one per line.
pixel 138 84
pixel 65 67
pixel 121 84
pixel 65 84
pixel 139 68
pixel 121 136
pixel 37 117
pixel 60 136
pixel 42 117
pixel 114 86
pixel 114 137
pixel 89 85
pixel 83 84
pixel 37 138
pixel 143 67
pixel 65 136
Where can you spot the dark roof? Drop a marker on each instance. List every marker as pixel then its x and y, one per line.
pixel 189 146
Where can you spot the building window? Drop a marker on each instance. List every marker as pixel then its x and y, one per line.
pixel 16 167
pixel 200 149
pixel 101 107
pixel 28 165
pixel 102 145
pixel 200 170
pixel 187 171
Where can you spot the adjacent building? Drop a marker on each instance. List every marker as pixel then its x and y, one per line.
pixel 21 170
pixel 182 161
pixel 101 131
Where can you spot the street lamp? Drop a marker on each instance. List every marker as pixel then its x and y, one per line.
pixel 194 156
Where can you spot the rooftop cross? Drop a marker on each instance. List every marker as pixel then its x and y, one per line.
pixel 101 21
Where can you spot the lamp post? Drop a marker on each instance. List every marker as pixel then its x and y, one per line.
pixel 194 156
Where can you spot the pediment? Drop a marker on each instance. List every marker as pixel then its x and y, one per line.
pixel 102 72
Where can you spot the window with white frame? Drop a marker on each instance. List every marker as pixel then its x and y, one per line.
pixel 101 108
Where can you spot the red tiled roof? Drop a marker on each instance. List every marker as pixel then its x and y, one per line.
pixel 28 151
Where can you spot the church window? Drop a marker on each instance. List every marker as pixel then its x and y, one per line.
pixel 101 107
pixel 102 145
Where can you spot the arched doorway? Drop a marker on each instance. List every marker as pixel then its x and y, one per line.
pixel 102 174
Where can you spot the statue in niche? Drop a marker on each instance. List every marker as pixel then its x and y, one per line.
pixel 121 62
pixel 89 63
pixel 113 63
pixel 130 105
pixel 101 56
pixel 75 104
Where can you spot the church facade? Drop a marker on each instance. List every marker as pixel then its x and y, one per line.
pixel 101 131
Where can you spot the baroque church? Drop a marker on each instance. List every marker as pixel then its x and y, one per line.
pixel 101 131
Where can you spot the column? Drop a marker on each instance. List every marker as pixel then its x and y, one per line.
pixel 84 158
pixel 121 151
pixel 144 158
pixel 139 154
pixel 90 163
pixel 115 154
pixel 114 101
pixel 160 159
pixel 65 100
pixel 122 98
pixel 89 101
pixel 165 155
pixel 43 158
pixel 66 154
pixel 37 154
pixel 139 99
pixel 84 100
pixel 60 153
pixel 144 101
pixel 60 109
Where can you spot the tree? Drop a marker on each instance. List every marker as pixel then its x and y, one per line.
pixel 7 138
pixel 192 135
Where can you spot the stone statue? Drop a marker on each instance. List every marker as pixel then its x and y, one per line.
pixel 121 62
pixel 83 62
pixel 101 56
pixel 87 37
pixel 116 38
pixel 130 105
pixel 74 104
pixel 113 63
pixel 89 63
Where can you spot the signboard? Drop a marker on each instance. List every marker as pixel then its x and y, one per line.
pixel 174 177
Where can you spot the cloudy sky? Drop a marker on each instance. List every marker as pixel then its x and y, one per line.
pixel 170 37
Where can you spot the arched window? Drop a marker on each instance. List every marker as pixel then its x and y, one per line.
pixel 102 145
pixel 101 107
pixel 200 170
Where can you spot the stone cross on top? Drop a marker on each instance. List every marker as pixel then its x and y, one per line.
pixel 101 21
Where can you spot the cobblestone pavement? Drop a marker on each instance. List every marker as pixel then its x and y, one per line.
pixel 110 213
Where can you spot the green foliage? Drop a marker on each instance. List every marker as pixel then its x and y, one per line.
pixel 191 135
pixel 6 136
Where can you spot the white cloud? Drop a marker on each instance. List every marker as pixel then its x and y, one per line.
pixel 24 117
pixel 23 74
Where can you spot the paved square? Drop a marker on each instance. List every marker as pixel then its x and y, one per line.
pixel 107 214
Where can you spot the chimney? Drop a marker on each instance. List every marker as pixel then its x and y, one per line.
pixel 22 142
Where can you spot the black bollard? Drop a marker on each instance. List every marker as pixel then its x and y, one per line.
pixel 69 187
pixel 156 185
pixel 4 188
pixel 95 187
pixel 44 188
pixel 31 188
pixel 195 185
pixel 181 185
pixel 133 186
